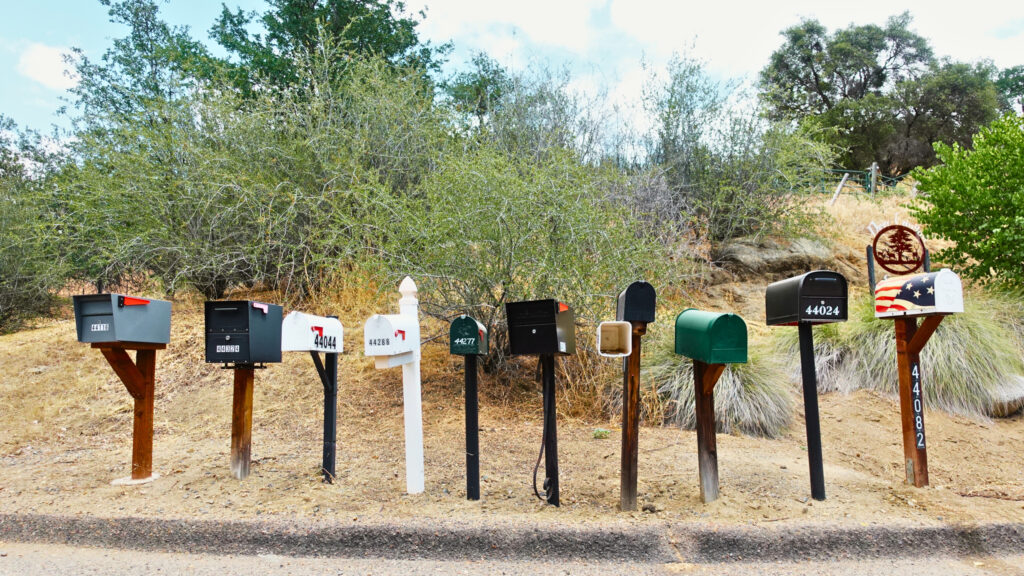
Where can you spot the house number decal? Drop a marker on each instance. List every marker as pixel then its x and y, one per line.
pixel 915 395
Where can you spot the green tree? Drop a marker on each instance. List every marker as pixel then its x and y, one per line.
pixel 379 28
pixel 975 198
pixel 1011 86
pixel 480 91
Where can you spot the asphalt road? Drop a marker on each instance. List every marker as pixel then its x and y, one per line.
pixel 17 559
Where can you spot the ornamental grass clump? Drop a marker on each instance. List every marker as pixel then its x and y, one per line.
pixel 752 398
pixel 972 366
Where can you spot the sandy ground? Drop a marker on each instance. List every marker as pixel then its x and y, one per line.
pixel 67 434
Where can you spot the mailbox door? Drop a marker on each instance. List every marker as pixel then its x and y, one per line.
pixel 728 340
pixel 565 329
pixel 467 336
pixel 823 297
pixel 531 327
pixel 228 348
pixel 94 317
pixel 142 319
pixel 264 332
pixel 636 303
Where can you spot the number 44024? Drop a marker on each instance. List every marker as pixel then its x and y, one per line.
pixel 822 310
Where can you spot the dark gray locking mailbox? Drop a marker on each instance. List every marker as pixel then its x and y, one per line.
pixel 243 332
pixel 540 327
pixel 636 303
pixel 817 297
pixel 120 318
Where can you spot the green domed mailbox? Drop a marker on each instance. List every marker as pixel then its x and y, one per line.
pixel 712 340
pixel 711 337
pixel 468 338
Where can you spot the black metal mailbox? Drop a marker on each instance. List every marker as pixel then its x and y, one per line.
pixel 540 327
pixel 120 318
pixel 817 297
pixel 243 332
pixel 636 303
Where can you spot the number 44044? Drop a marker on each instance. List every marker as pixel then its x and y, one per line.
pixel 822 310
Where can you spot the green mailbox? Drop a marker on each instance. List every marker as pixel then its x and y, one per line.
pixel 467 337
pixel 711 337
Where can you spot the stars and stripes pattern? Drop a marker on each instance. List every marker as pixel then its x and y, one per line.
pixel 902 293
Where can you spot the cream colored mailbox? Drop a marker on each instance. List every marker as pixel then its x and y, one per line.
pixel 615 339
pixel 924 294
pixel 308 333
pixel 392 339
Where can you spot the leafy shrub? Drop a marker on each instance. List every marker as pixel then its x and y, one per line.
pixel 976 199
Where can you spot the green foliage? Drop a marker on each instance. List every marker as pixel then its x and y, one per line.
pixel 487 228
pixel 976 199
pixel 481 90
pixel 1011 87
pixel 752 398
pixel 877 93
pixel 374 28
pixel 30 267
pixel 971 366
pixel 727 171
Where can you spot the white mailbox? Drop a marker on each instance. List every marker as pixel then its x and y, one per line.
pixel 392 339
pixel 308 333
pixel 615 339
pixel 924 294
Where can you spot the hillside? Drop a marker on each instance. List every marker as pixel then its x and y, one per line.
pixel 67 434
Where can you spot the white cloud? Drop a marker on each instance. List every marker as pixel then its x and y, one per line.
pixel 45 64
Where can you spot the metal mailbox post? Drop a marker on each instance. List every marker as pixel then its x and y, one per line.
pixel 711 340
pixel 116 323
pixel 544 328
pixel 931 296
pixel 468 337
pixel 634 310
pixel 243 335
pixel 818 297
pixel 319 334
pixel 394 340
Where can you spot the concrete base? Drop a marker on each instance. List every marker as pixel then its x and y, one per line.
pixel 129 481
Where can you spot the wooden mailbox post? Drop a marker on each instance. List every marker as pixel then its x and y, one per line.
pixel 818 297
pixel 622 339
pixel 468 338
pixel 394 340
pixel 319 334
pixel 711 340
pixel 115 324
pixel 244 336
pixel 545 328
pixel 905 297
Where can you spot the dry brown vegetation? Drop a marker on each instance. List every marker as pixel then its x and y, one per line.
pixel 67 434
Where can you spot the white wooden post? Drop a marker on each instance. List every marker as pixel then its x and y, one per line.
pixel 411 396
pixel 839 188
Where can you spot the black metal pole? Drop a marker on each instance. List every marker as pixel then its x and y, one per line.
pixel 810 379
pixel 550 431
pixel 472 432
pixel 330 416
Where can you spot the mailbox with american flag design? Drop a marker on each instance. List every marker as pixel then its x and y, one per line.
pixel 923 294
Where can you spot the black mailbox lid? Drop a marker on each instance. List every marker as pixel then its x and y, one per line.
pixel 540 327
pixel 818 297
pixel 227 316
pixel 636 303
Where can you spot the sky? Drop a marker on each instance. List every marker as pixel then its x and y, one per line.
pixel 610 47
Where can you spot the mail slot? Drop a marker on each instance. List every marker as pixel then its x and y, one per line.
pixel 540 327
pixel 243 332
pixel 120 318
pixel 392 339
pixel 467 336
pixel 615 339
pixel 636 303
pixel 923 294
pixel 308 333
pixel 817 297
pixel 711 337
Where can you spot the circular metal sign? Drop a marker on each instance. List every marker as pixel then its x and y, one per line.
pixel 898 249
